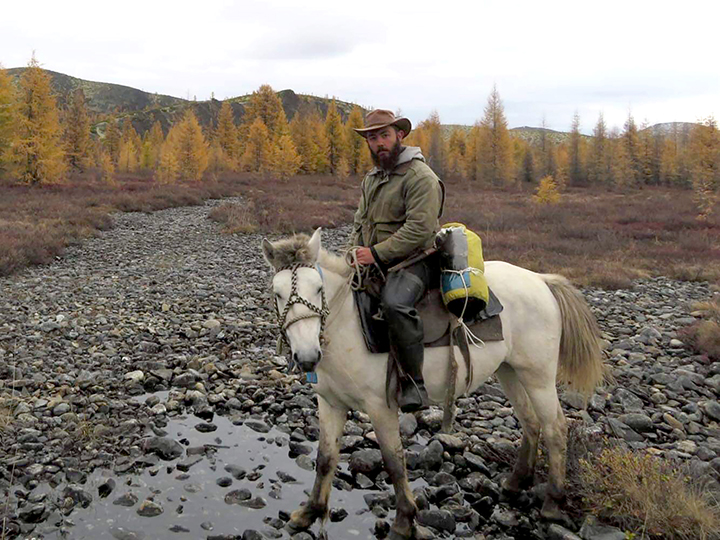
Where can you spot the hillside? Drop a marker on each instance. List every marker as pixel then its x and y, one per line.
pixel 145 108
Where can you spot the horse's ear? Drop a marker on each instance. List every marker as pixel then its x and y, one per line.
pixel 268 252
pixel 314 244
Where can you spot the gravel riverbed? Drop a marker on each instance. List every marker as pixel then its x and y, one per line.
pixel 141 397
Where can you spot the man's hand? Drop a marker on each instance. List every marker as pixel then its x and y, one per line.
pixel 364 255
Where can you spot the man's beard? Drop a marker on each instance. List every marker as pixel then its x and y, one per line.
pixel 389 160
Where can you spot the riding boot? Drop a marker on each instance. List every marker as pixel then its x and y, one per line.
pixel 413 395
pixel 402 291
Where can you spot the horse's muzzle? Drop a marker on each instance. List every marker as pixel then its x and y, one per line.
pixel 307 361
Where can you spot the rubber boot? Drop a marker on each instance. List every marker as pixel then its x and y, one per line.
pixel 413 395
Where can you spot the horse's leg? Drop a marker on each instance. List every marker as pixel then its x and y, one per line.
pixel 524 470
pixel 552 422
pixel 387 428
pixel 332 422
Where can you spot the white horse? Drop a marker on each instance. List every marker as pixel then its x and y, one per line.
pixel 550 335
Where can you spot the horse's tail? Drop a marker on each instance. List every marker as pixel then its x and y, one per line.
pixel 580 365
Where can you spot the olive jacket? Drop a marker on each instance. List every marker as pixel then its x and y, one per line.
pixel 399 211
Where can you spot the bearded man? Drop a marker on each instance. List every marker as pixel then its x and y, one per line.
pixel 401 202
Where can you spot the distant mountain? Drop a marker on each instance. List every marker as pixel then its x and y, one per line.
pixel 668 128
pixel 144 108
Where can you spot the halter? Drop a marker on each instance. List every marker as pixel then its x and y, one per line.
pixel 321 312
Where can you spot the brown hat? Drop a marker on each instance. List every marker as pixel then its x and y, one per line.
pixel 380 118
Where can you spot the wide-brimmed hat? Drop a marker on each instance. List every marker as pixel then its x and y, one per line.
pixel 381 118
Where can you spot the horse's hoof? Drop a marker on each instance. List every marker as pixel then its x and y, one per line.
pixel 301 519
pixel 402 534
pixel 551 511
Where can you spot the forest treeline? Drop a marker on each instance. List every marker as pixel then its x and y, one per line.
pixel 40 144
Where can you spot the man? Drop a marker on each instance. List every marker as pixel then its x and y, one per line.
pixel 401 202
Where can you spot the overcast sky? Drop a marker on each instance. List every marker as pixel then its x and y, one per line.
pixel 657 59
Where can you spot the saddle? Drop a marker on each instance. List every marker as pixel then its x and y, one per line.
pixel 486 326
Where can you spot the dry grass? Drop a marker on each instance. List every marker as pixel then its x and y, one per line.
pixel 236 218
pixel 649 495
pixel 594 237
pixel 704 335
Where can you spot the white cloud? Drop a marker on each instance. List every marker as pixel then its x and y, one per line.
pixel 547 58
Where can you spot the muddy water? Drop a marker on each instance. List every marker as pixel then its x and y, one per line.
pixel 194 504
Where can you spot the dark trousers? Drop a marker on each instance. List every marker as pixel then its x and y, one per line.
pixel 401 293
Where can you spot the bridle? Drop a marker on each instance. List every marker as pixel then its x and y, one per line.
pixel 294 298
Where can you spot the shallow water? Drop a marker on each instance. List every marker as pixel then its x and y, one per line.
pixel 204 499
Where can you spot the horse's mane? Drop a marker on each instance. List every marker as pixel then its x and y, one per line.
pixel 295 250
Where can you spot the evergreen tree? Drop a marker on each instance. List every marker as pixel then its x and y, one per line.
pixel 548 165
pixel 36 151
pixel 495 153
pixel 258 148
pixel 528 166
pixel 335 138
pixel 227 137
pixel 472 153
pixel 7 101
pixel 631 152
pixel 77 132
pixel 359 159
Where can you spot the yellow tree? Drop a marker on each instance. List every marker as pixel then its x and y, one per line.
pixel 112 137
pixel 129 150
pixel 285 160
pixel 77 132
pixel 184 154
pixel 472 153
pixel 258 148
pixel 359 160
pixel 335 138
pixel 705 165
pixel 226 136
pixel 266 105
pixel 151 145
pixel 36 152
pixel 308 133
pixel 457 144
pixel 7 100
pixel 495 152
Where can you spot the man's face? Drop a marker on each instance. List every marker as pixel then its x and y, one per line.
pixel 385 146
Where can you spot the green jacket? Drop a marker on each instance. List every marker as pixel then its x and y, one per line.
pixel 399 211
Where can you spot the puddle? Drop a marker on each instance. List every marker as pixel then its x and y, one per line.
pixel 193 498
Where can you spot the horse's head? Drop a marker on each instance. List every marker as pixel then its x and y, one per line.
pixel 299 295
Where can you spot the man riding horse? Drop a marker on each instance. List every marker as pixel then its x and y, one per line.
pixel 397 218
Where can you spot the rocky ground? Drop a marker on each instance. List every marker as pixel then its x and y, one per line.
pixel 165 302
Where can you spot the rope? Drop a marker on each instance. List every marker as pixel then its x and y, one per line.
pixel 472 338
pixel 360 272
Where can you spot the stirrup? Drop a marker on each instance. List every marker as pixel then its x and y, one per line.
pixel 413 397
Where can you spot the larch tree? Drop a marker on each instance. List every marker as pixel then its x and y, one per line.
pixel 308 133
pixel 151 145
pixel 548 164
pixel 359 160
pixel 226 136
pixel 705 165
pixel 258 148
pixel 436 151
pixel 631 151
pixel 335 138
pixel 184 154
pixel 576 170
pixel 130 147
pixel 112 137
pixel 495 153
pixel 598 164
pixel 285 159
pixel 457 146
pixel 265 104
pixel 7 102
pixel 472 153
pixel 36 153
pixel 77 132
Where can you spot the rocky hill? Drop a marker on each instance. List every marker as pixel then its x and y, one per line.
pixel 144 108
